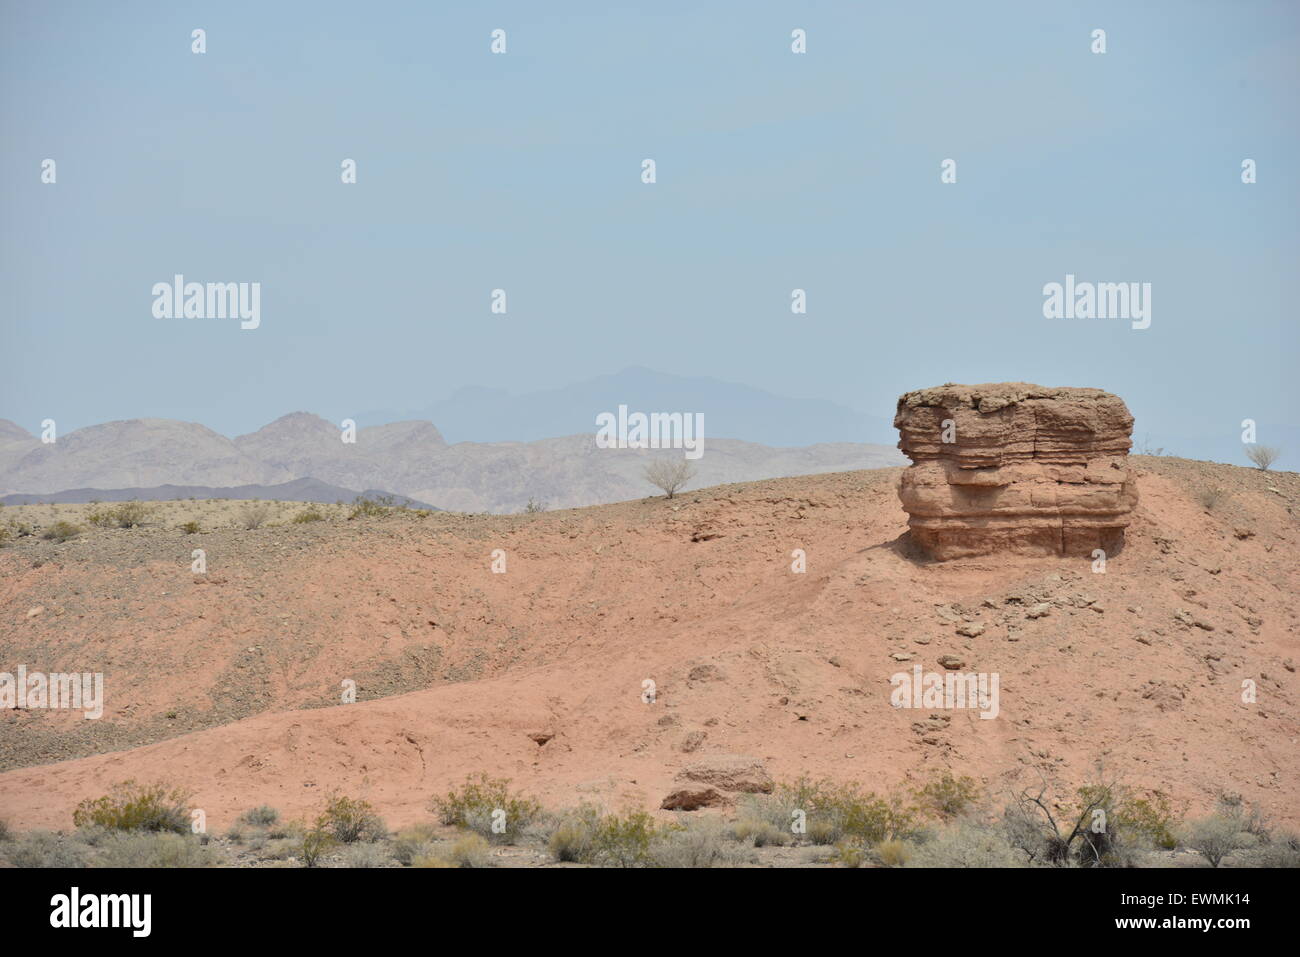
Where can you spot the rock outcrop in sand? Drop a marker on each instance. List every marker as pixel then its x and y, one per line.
pixel 1013 467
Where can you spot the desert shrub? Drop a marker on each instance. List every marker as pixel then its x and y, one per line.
pixel 61 531
pixel 348 820
pixel 366 855
pixel 947 797
pixel 121 515
pixel 5 535
pixel 375 507
pixel 669 476
pixel 468 850
pixel 699 842
pixel 623 840
pixel 574 836
pixel 311 514
pixel 893 853
pixel 1209 496
pixel 313 845
pixel 284 848
pixel 849 854
pixel 473 806
pixel 1230 828
pixel 759 833
pixel 533 507
pixel 413 842
pixel 45 849
pixel 253 516
pixel 136 849
pixel 133 807
pixel 1262 455
pixel 966 845
pixel 1281 851
pixel 263 816
pixel 190 528
pixel 5 833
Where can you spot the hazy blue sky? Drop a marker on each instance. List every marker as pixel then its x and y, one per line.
pixel 522 171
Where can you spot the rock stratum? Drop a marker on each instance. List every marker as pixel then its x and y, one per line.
pixel 1016 468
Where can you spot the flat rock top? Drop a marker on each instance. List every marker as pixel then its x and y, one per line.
pixel 991 396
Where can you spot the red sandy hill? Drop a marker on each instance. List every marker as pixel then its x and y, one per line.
pixel 462 670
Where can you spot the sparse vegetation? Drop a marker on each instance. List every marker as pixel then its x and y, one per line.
pixel 468 850
pixel 946 797
pixel 122 515
pixel 313 845
pixel 1262 455
pixel 1210 496
pixel 46 849
pixel 347 820
pixel 155 850
pixel 61 531
pixel 309 514
pixel 254 515
pixel 483 802
pixel 263 816
pixel 190 528
pixel 533 507
pixel 669 476
pixel 376 507
pixel 133 807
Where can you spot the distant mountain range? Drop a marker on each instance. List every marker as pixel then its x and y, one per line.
pixel 299 490
pixel 539 446
pixel 730 411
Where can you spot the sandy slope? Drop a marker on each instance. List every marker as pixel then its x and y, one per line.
pixel 596 600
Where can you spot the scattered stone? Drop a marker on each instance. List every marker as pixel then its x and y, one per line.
pixel 901 656
pixel 952 662
pixel 971 629
pixel 693 740
pixel 37 610
pixel 1041 610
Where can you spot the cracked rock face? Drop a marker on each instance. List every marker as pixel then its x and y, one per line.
pixel 1017 468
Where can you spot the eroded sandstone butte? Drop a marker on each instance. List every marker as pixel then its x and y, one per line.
pixel 1016 468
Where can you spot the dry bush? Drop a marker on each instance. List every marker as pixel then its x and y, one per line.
pixel 966 845
pixel 1262 455
pixel 156 850
pixel 468 850
pixel 947 797
pixel 61 531
pixel 366 855
pixel 669 476
pixel 310 514
pixel 45 849
pixel 700 842
pixel 254 516
pixel 1210 496
pixel 413 842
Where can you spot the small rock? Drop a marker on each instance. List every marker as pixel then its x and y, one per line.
pixel 951 662
pixel 971 629
pixel 1041 610
pixel 692 799
pixel 693 741
pixel 901 656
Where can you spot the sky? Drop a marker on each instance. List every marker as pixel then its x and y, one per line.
pixel 775 171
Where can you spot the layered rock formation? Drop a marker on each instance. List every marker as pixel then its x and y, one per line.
pixel 1013 467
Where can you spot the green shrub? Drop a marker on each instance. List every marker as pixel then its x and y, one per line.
pixel 947 797
pixel 132 807
pixel 574 837
pixel 347 820
pixel 376 507
pixel 475 804
pixel 190 528
pixel 623 841
pixel 759 833
pixel 61 531
pixel 253 516
pixel 308 515
pixel 313 845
